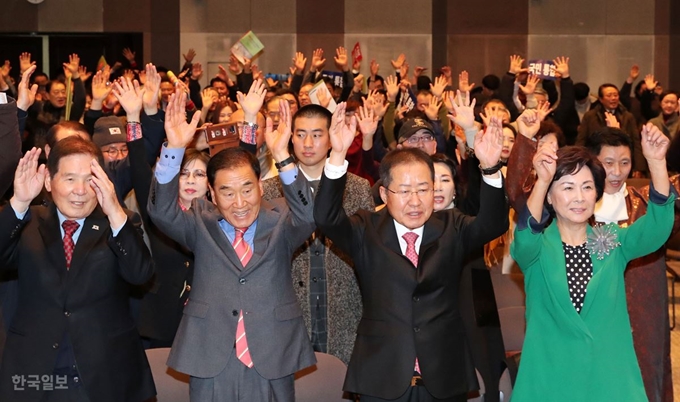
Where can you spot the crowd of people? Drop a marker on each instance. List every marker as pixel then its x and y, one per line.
pixel 361 222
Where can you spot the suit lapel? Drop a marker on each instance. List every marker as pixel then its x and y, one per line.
pixel 48 227
pixel 387 231
pixel 266 221
pixel 95 226
pixel 223 243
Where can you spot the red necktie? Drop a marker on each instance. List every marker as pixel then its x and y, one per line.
pixel 70 228
pixel 244 252
pixel 411 254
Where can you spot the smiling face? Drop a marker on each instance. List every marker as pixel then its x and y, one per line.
pixel 411 210
pixel 237 193
pixel 617 164
pixel 193 182
pixel 669 104
pixel 610 98
pixel 70 187
pixel 573 197
pixel 444 187
pixel 57 94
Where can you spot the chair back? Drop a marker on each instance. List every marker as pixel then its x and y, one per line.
pixel 321 382
pixel 171 385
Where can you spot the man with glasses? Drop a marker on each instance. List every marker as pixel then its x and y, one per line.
pixel 411 343
pixel 417 133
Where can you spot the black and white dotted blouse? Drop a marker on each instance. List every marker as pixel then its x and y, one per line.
pixel 579 271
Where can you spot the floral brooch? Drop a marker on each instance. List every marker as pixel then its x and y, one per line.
pixel 602 240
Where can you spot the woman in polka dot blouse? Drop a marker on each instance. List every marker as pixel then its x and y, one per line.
pixel 578 345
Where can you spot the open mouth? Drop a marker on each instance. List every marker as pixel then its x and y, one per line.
pixel 438 199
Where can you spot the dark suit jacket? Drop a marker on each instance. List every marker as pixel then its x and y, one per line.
pixel 409 312
pixel 90 301
pixel 275 330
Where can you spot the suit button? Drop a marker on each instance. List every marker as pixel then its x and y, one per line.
pixel 416 329
pixel 76 379
pixel 301 284
pixel 188 288
pixel 242 281
pixel 316 253
pixel 234 313
pixel 314 279
pixel 416 298
pixel 186 264
pixel 55 346
pixel 67 313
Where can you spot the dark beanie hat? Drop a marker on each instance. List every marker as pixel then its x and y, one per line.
pixel 108 130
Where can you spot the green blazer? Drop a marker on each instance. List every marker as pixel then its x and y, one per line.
pixel 587 357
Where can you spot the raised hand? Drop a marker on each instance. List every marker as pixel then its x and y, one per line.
pixel 299 63
pixel 177 130
pixel 25 62
pixel 392 88
pixel 432 109
pixel 341 59
pixel 29 180
pixel 543 110
pixel 257 73
pixel 562 66
pixel 654 143
pixel 341 134
pixel 151 90
pixel 530 87
pixel 196 71
pixel 529 123
pixel 5 69
pixel 464 82
pixel 403 71
pixel 634 73
pixel 277 140
pixel 189 56
pixel 464 115
pixel 106 195
pixel 611 121
pixel 318 61
pixel 516 62
pixel 367 121
pixel 375 67
pixel 71 68
pixel 399 62
pixel 545 162
pixel 419 70
pixel 26 95
pixel 129 55
pixel 438 87
pixel 446 72
pixel 129 95
pixel 649 82
pixel 84 74
pixel 447 97
pixel 358 83
pixel 252 102
pixel 324 98
pixel 235 68
pixel 100 89
pixel 489 143
pixel 208 97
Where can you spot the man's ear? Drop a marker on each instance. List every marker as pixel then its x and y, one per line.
pixel 212 194
pixel 48 182
pixel 47 151
pixel 548 199
pixel 383 194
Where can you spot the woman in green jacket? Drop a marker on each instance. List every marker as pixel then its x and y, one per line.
pixel 578 345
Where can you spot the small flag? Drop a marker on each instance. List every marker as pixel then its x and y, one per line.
pixel 101 64
pixel 95 227
pixel 356 53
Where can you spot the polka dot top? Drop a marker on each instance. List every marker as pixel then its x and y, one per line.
pixel 579 272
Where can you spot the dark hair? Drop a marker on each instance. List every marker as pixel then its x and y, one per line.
pixel 666 93
pixel 218 79
pixel 72 146
pixel 284 91
pixel 444 159
pixel 581 91
pixel 549 127
pixel 494 100
pixel 608 136
pixel 274 99
pixel 231 158
pixel 314 111
pixel 508 126
pixel 401 157
pixel 48 87
pixel 602 88
pixel 491 82
pixel 570 160
pixel 193 154
pixel 638 88
pixel 423 83
pixel 379 78
pixel 51 138
pixel 215 118
pixel 424 92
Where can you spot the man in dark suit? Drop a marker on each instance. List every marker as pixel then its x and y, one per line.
pixel 72 338
pixel 242 336
pixel 411 343
pixel 323 275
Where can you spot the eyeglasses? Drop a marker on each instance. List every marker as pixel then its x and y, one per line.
pixel 406 194
pixel 113 152
pixel 198 174
pixel 414 139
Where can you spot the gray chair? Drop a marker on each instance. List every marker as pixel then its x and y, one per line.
pixel 171 386
pixel 513 326
pixel 321 382
pixel 508 289
pixel 505 386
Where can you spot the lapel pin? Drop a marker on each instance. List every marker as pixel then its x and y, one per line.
pixel 95 227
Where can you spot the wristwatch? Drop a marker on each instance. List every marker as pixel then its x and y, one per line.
pixel 493 169
pixel 284 162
